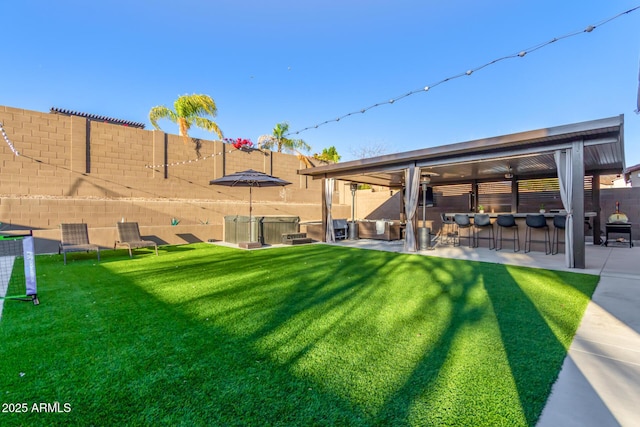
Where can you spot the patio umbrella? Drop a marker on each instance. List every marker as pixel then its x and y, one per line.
pixel 249 178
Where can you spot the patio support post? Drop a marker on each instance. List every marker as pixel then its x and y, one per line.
pixel 570 166
pixel 324 210
pixel 412 184
pixel 330 236
pixel 577 159
pixel 474 197
pixel 595 203
pixel 515 196
pixel 564 166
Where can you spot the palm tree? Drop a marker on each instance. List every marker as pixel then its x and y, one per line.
pixel 188 111
pixel 277 141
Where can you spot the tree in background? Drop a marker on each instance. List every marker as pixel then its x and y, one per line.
pixel 277 141
pixel 188 111
pixel 367 151
pixel 328 155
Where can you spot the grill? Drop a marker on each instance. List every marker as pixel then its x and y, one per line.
pixel 340 227
pixel 618 223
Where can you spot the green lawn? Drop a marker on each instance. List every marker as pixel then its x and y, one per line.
pixel 306 335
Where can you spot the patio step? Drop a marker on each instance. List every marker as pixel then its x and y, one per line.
pixel 295 238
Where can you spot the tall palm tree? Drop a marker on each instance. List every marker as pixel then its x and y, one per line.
pixel 277 141
pixel 188 111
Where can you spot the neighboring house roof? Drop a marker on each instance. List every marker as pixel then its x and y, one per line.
pixel 632 168
pixel 97 118
pixel 628 172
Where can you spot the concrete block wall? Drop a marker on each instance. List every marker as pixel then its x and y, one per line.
pixel 377 204
pixel 74 170
pixel 71 169
pixel 35 137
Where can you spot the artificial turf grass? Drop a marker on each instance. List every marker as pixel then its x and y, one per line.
pixel 291 336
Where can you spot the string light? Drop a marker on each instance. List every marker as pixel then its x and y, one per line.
pixel 469 72
pixel 220 153
pixel 186 162
pixel 6 138
pixel 391 101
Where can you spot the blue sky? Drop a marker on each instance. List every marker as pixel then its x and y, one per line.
pixel 306 62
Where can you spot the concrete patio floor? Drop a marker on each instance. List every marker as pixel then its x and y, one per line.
pixel 599 384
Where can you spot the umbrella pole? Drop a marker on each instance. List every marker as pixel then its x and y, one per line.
pixel 251 234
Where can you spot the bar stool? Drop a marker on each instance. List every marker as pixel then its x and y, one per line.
pixel 448 228
pixel 462 221
pixel 559 223
pixel 537 222
pixel 483 222
pixel 507 221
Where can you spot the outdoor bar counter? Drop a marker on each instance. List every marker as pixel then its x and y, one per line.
pixel 517 215
pixel 520 220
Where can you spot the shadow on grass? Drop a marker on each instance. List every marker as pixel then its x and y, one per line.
pixel 117 255
pixel 119 355
pixel 290 336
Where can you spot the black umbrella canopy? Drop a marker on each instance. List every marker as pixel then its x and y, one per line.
pixel 249 178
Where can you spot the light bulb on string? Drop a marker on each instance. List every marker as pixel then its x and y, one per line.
pixel 521 54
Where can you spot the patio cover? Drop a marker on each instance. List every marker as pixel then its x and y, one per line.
pixel 594 147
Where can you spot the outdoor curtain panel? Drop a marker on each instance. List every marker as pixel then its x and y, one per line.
pixel 412 185
pixel 565 179
pixel 328 194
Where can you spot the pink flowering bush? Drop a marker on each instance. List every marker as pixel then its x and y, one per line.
pixel 240 143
